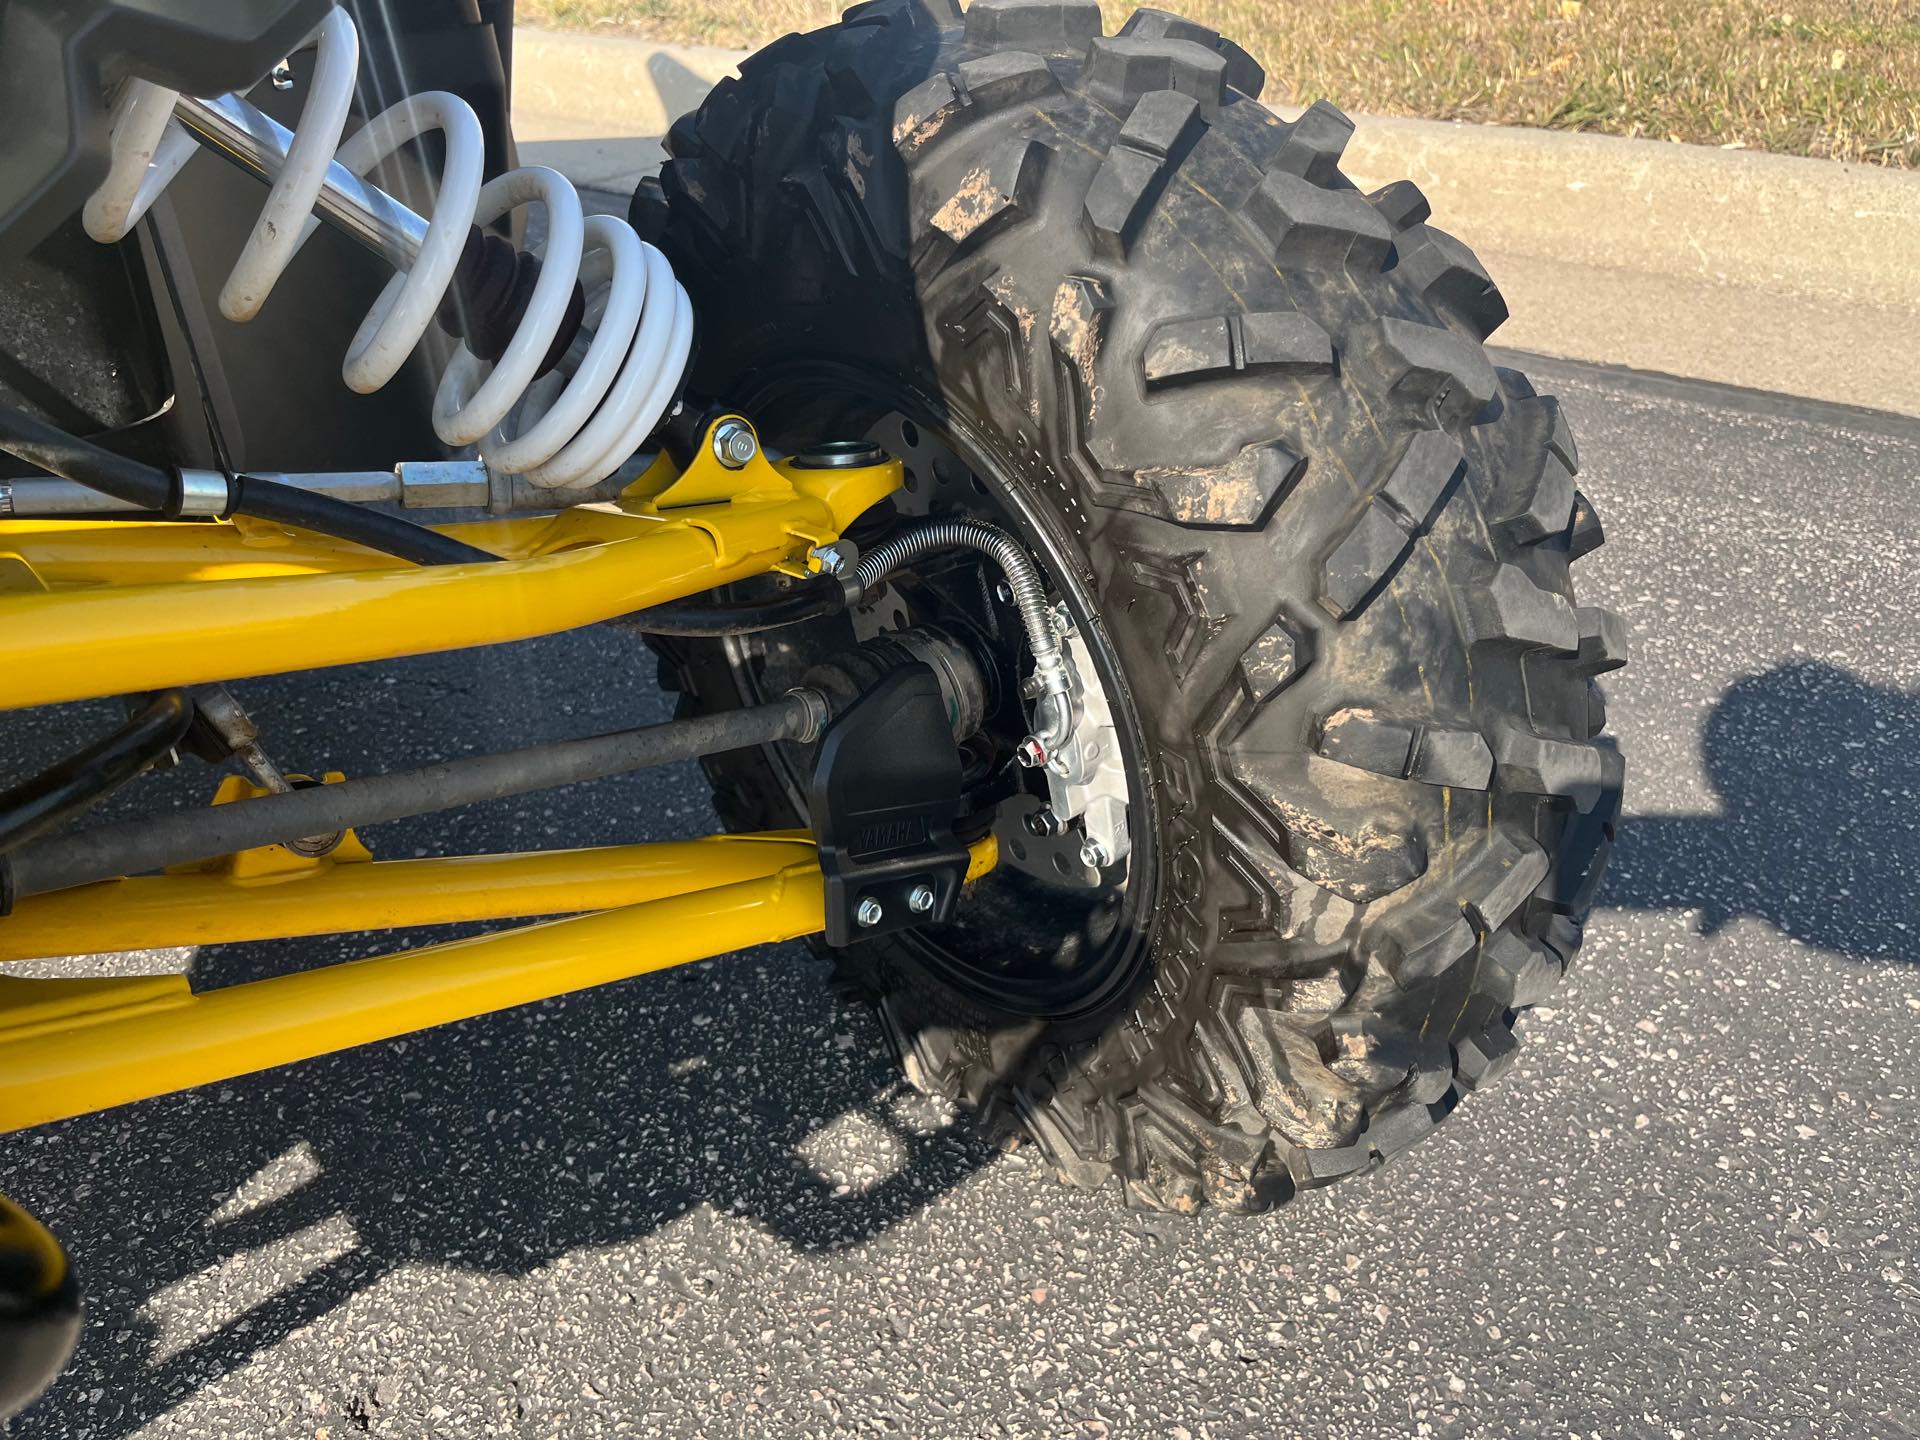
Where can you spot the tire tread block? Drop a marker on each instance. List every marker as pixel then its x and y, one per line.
pixel 1005 77
pixel 925 113
pixel 1484 1056
pixel 1240 494
pixel 1587 534
pixel 1306 225
pixel 1451 278
pixel 1402 203
pixel 1429 368
pixel 1272 662
pixel 1055 27
pixel 1215 346
pixel 1130 180
pixel 1124 68
pixel 1576 769
pixel 1603 640
pixel 999 187
pixel 1470 889
pixel 1244 73
pixel 1543 505
pixel 1314 145
pixel 1513 612
pixel 1407 750
pixel 1518 972
pixel 1294 1091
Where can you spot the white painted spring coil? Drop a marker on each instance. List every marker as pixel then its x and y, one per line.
pixel 639 315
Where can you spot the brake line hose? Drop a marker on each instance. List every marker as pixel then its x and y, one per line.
pixel 1029 598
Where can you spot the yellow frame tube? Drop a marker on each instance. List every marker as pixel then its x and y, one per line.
pixel 214 908
pixel 229 600
pixel 76 1064
pixel 71 1047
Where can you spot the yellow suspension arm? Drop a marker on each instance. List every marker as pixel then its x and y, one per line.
pixel 69 1047
pixel 217 601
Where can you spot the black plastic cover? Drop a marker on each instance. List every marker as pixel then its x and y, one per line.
pixel 58 59
pixel 886 792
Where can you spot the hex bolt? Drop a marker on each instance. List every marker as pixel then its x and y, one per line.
pixel 832 559
pixel 1030 753
pixel 1094 855
pixel 1043 823
pixel 868 913
pixel 734 443
pixel 920 900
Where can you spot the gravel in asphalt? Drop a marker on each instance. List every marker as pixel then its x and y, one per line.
pixel 700 1204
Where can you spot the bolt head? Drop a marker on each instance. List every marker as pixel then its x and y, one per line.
pixel 734 443
pixel 920 900
pixel 1042 823
pixel 1093 855
pixel 868 913
pixel 833 559
pixel 1003 592
pixel 1030 753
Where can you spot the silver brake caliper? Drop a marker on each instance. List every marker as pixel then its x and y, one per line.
pixel 1086 779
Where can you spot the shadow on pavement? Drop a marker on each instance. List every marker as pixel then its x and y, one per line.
pixel 504 1143
pixel 1818 777
pixel 498 1146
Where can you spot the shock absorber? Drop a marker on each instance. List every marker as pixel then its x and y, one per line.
pixel 566 435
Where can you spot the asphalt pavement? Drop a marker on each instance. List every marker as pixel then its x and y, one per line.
pixel 700 1204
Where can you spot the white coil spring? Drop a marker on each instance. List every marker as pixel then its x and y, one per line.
pixel 639 314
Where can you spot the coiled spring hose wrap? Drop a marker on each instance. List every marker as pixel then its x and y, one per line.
pixel 1029 598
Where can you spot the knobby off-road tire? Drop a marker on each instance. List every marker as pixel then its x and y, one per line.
pixel 1328 540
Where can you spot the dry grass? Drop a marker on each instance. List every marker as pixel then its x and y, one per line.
pixel 1838 78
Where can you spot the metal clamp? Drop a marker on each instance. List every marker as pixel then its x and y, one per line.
pixel 204 494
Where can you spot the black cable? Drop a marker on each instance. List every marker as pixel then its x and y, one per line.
pixel 101 469
pixel 344 520
pixel 706 618
pixel 129 847
pixel 71 458
pixel 82 780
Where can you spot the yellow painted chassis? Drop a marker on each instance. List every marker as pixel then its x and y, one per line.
pixel 109 608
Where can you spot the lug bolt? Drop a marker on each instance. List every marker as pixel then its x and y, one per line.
pixel 920 900
pixel 1093 855
pixel 734 443
pixel 1030 753
pixel 868 913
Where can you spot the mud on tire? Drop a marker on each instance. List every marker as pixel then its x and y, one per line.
pixel 1329 542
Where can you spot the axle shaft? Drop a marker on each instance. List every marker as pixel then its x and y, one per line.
pixel 130 847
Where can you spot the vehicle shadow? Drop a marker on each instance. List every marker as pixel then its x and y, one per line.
pixel 1817 775
pixel 504 1143
pixel 742 1087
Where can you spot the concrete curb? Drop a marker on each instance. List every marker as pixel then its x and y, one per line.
pixel 1765 271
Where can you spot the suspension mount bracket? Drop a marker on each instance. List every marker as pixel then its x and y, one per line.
pixel 885 794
